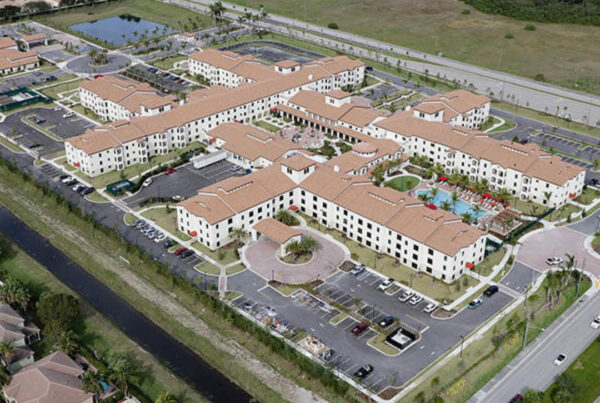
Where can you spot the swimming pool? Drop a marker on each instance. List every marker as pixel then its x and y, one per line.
pixel 460 208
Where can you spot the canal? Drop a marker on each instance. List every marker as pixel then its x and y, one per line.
pixel 180 359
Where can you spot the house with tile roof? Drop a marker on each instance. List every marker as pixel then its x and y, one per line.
pixel 13 60
pixel 19 332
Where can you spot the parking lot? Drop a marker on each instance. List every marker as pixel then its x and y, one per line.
pixel 30 79
pixel 380 91
pixel 360 294
pixel 568 146
pixel 185 181
pixel 272 52
pixel 51 120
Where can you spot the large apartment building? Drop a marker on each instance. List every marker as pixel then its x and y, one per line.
pixel 388 221
pixel 109 147
pixel 112 98
pixel 456 108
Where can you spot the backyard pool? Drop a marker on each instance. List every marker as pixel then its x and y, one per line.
pixel 460 208
pixel 118 30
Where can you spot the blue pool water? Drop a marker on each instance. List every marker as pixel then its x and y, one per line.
pixel 112 29
pixel 105 386
pixel 461 206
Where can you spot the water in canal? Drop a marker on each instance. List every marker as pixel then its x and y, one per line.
pixel 183 362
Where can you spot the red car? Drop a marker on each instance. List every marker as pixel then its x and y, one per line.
pixel 169 171
pixel 180 251
pixel 359 328
pixel 99 75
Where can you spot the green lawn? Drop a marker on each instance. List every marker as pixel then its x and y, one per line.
pixel 221 255
pixel 440 26
pixel 156 11
pixel 12 147
pixel 378 342
pixel 389 267
pixel 507 125
pixel 403 183
pixel 167 221
pixel 265 125
pixel 167 64
pixel 208 268
pixel 588 196
pixel 340 317
pixel 98 333
pixel 59 88
pixel 235 269
pixel 485 267
pixel 88 113
pixel 563 212
pixel 585 372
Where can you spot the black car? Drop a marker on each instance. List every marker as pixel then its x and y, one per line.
pixel 87 191
pixel 385 322
pixel 63 176
pixel 72 182
pixel 363 371
pixel 168 243
pixel 81 189
pixel 491 290
pixel 186 254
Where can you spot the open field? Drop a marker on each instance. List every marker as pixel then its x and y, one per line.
pixel 156 11
pixel 439 26
pixel 96 332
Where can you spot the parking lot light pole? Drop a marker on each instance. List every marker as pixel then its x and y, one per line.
pixel 462 339
pixel 317 288
pixel 273 275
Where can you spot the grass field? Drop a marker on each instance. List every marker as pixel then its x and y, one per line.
pixel 439 26
pixel 12 147
pixel 97 332
pixel 156 11
pixel 485 267
pixel 167 221
pixel 585 371
pixel 167 63
pixel 403 183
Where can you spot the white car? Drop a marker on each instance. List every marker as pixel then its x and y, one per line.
pixel 554 261
pixel 406 296
pixel 560 359
pixel 67 179
pixel 415 300
pixel 68 115
pixel 386 284
pixel 596 323
pixel 429 308
pixel 147 182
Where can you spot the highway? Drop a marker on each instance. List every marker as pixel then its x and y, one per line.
pixel 534 367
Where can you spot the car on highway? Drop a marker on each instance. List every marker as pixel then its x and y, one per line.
pixel 386 284
pixel 169 171
pixel 356 270
pixel 491 290
pixel 429 308
pixel 596 323
pixel 554 261
pixel 475 303
pixel 359 328
pixel 415 300
pixel 560 359
pixel 364 371
pixel 147 182
pixel 406 296
pixel 387 321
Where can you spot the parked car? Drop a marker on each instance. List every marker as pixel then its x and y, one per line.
pixel 596 323
pixel 72 182
pixel 159 238
pixel 429 308
pixel 359 328
pixel 363 371
pixel 554 261
pixel 169 243
pixel 179 251
pixel 328 355
pixel 39 121
pixel 387 321
pixel 147 182
pixel 186 254
pixel 415 300
pixel 63 176
pixel 386 284
pixel 475 303
pixel 79 188
pixel 491 290
pixel 88 191
pixel 66 179
pixel 406 296
pixel 139 224
pixel 356 270
pixel 560 359
pixel 516 398
pixel 68 115
pixel 178 198
pixel 169 171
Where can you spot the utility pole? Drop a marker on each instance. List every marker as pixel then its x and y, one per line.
pixel 462 339
pixel 580 275
pixel 526 328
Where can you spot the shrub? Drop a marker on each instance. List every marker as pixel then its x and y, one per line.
pixel 466 11
pixel 539 77
pixel 332 25
pixel 530 27
pixel 509 35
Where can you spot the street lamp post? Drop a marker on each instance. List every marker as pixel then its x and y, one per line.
pixel 317 288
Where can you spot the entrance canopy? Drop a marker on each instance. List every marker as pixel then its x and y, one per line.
pixel 276 231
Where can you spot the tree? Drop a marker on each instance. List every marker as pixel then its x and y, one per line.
pixel 468 218
pixel 121 372
pixel 216 11
pixel 90 382
pixel 7 351
pixel 446 205
pixel 14 293
pixel 533 396
pixel 293 248
pixel 285 217
pixel 435 384
pixel 68 342
pixel 308 244
pixel 166 397
pixel 239 234
pixel 57 312
pixel 454 197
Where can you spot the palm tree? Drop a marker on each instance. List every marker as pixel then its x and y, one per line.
pixel 285 217
pixel 434 192
pixel 477 210
pixel 68 342
pixel 445 205
pixel 7 351
pixel 438 169
pixel 467 218
pixel 166 397
pixel 308 244
pixel 454 197
pixel 239 234
pixel 547 197
pixel 216 10
pixel 90 382
pixel 121 373
pixel 293 248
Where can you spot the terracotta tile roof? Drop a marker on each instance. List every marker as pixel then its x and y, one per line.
pixel 297 162
pixel 204 93
pixel 35 37
pixel 53 379
pixel 7 42
pixel 338 94
pixel 110 135
pixel 287 64
pixel 353 161
pixel 14 58
pixel 255 71
pixel 276 230
pixel 221 59
pixel 453 103
pixel 251 142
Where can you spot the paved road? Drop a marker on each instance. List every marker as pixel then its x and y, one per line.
pixel 537 95
pixel 534 368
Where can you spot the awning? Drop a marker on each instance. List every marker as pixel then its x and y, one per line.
pixel 273 110
pixel 470 265
pixel 192 233
pixel 76 164
pixel 571 195
pixel 293 208
pixel 431 206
